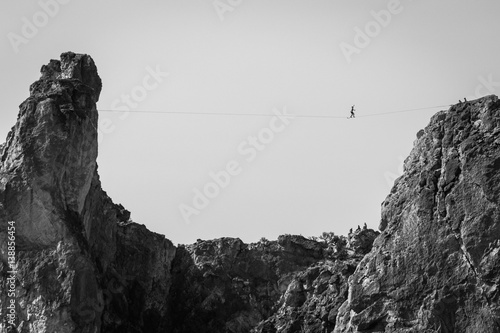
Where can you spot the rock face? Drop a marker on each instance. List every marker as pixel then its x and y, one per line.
pixel 81 265
pixel 436 265
pixel 225 285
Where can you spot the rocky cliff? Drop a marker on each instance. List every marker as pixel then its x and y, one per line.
pixel 286 285
pixel 72 261
pixel 436 265
pixel 80 262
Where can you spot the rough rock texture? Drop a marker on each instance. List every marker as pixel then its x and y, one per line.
pixel 81 263
pixel 314 295
pixel 84 266
pixel 225 285
pixel 436 265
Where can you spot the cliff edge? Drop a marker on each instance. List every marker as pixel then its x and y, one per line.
pixel 436 265
pixel 79 264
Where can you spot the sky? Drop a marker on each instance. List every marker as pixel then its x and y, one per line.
pixel 252 171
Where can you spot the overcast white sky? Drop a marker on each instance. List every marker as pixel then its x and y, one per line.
pixel 242 56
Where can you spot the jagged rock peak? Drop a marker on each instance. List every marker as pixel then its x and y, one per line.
pixel 51 151
pixel 436 265
pixel 82 266
pixel 71 66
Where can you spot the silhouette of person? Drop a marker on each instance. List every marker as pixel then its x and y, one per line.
pixel 352 112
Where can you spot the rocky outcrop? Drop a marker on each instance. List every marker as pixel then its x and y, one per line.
pixel 71 260
pixel 225 285
pixel 81 265
pixel 436 265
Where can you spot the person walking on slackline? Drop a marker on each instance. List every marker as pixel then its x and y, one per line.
pixel 352 112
